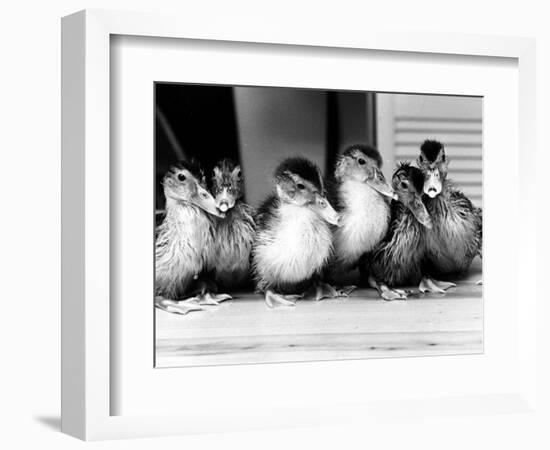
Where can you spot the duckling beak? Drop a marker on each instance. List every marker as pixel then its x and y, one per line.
pixel 331 217
pixel 378 182
pixel 432 184
pixel 421 213
pixel 205 201
pixel 327 212
pixel 225 201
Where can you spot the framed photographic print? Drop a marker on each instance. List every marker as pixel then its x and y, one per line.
pixel 261 228
pixel 330 310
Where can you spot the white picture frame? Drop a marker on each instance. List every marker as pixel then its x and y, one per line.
pixel 89 327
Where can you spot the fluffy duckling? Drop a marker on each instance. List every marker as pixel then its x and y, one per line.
pixel 234 234
pixel 293 237
pixel 398 259
pixel 184 241
pixel 457 224
pixel 362 197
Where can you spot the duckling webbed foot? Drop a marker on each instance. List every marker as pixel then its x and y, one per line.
pixel 428 284
pixel 344 291
pixel 208 298
pixel 324 290
pixel 385 292
pixel 205 293
pixel 177 306
pixel 392 294
pixel 272 299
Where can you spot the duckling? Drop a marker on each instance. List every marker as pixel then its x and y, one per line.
pixel 185 238
pixel 398 259
pixel 457 225
pixel 362 197
pixel 293 240
pixel 234 234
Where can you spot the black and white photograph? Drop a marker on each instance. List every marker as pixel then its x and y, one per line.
pixel 311 225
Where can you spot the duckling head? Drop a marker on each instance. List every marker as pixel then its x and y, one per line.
pixel 299 182
pixel 408 183
pixel 184 183
pixel 363 163
pixel 227 184
pixel 433 163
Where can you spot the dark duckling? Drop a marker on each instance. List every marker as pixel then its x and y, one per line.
pixel 362 198
pixel 399 258
pixel 456 237
pixel 293 240
pixel 185 239
pixel 234 234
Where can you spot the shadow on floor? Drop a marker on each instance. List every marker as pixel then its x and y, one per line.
pixel 51 422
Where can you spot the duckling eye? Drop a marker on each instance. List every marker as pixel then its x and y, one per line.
pixel 421 158
pixel 404 185
pixel 181 177
pixel 361 161
pixel 300 186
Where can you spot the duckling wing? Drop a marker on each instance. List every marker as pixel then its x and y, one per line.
pixel 466 209
pixel 479 213
pixel 331 190
pixel 397 259
pixel 471 215
pixel 247 214
pixel 266 213
pixel 459 200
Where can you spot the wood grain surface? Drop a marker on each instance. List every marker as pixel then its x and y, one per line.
pixel 245 330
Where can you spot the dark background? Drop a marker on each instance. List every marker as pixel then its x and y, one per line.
pixel 210 123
